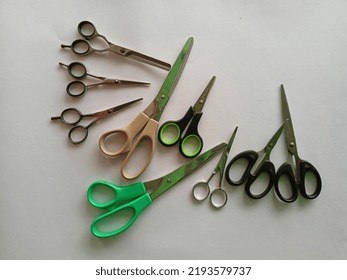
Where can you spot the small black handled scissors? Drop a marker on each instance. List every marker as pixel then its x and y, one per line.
pixel 295 169
pixel 265 166
pixel 72 116
pixel 83 47
pixel 171 132
pixel 78 71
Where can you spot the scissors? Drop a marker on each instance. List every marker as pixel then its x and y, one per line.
pixel 218 197
pixel 265 166
pixel 135 198
pixel 295 169
pixel 191 142
pixel 73 116
pixel 145 125
pixel 79 71
pixel 83 47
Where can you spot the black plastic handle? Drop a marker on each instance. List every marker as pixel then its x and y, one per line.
pixel 251 157
pixel 286 170
pixel 192 137
pixel 180 125
pixel 306 167
pixel 266 167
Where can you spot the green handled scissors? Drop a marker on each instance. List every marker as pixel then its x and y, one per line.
pixel 171 132
pixel 135 198
pixel 144 127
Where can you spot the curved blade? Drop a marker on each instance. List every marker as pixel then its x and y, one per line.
pixel 162 184
pixel 199 104
pixel 156 108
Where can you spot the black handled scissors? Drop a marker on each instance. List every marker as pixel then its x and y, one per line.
pixel 72 116
pixel 78 71
pixel 83 47
pixel 265 166
pixel 295 169
pixel 171 132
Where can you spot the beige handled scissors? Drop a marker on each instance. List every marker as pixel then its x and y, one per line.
pixel 144 126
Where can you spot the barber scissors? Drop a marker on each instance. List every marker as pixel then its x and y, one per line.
pixel 72 116
pixel 171 132
pixel 136 197
pixel 218 197
pixel 265 166
pixel 78 71
pixel 294 169
pixel 145 125
pixel 83 47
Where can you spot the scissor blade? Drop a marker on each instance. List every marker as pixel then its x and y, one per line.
pixel 199 104
pixel 289 131
pixel 126 82
pixel 149 60
pixel 156 108
pixel 275 138
pixel 162 184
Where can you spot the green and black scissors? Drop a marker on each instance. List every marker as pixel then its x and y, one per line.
pixel 190 143
pixel 128 202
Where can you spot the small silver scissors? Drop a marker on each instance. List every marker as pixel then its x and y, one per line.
pixel 78 71
pixel 218 197
pixel 72 116
pixel 83 47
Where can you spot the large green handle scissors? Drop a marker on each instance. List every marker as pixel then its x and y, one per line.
pixel 144 127
pixel 129 201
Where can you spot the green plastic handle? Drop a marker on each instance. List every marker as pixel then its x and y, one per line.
pixel 137 206
pixel 120 193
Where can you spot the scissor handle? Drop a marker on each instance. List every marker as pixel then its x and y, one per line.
pixel 147 134
pixel 136 207
pixel 77 70
pixel 174 129
pixel 266 167
pixel 87 30
pixel 119 194
pixel 81 47
pixel 218 198
pixel 129 132
pixel 191 143
pixel 303 168
pixel 201 191
pixel 76 88
pixel 78 134
pixel 70 116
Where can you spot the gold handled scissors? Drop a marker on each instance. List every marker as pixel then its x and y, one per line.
pixel 78 71
pixel 84 47
pixel 145 125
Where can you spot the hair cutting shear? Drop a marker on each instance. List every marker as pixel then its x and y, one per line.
pixel 84 47
pixel 145 125
pixel 265 166
pixel 136 197
pixel 79 71
pixel 73 116
pixel 294 169
pixel 171 132
pixel 218 197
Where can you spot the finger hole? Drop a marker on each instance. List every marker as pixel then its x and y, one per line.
pixel 260 187
pixel 78 134
pixel 76 88
pixel 80 47
pixel 218 198
pixel 236 171
pixel 86 29
pixel 191 146
pixel 114 143
pixel 71 116
pixel 169 134
pixel 100 194
pixel 201 191
pixel 77 70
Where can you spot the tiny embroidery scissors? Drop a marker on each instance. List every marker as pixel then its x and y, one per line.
pixel 136 197
pixel 191 142
pixel 145 125
pixel 84 47
pixel 265 166
pixel 78 71
pixel 218 197
pixel 72 116
pixel 294 169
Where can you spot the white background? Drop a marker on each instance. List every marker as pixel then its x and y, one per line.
pixel 252 48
